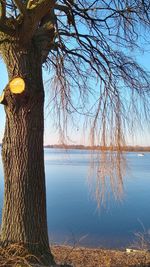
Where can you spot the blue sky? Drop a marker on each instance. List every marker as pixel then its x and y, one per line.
pixel 51 136
pixel 3 82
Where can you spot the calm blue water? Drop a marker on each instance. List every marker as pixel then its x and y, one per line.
pixel 73 216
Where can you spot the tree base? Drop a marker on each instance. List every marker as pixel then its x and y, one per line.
pixel 19 255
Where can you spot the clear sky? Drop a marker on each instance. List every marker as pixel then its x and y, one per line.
pixel 51 136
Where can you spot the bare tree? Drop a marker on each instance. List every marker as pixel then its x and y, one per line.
pixel 84 46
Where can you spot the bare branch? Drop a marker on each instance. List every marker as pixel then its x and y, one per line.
pixel 68 11
pixel 21 7
pixel 94 77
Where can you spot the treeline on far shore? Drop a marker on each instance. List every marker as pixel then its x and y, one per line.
pixel 107 148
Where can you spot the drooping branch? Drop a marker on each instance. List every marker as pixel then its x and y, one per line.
pixel 93 43
pixel 85 45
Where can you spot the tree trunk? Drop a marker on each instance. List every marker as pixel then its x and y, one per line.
pixel 24 212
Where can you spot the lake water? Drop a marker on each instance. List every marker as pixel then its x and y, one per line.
pixel 73 216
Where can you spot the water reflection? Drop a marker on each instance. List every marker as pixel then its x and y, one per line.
pixel 72 211
pixel 114 224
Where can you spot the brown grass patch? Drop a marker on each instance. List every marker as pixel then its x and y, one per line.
pixel 87 257
pixel 16 256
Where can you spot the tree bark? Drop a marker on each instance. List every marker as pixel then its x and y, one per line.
pixel 24 211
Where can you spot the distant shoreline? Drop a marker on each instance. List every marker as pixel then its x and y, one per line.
pixel 82 147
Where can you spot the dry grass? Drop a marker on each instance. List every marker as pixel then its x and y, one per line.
pixel 142 239
pixel 85 257
pixel 16 256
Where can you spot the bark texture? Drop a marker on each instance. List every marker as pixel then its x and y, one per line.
pixel 24 211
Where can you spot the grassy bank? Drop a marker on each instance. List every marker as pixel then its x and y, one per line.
pixel 85 257
pixel 65 256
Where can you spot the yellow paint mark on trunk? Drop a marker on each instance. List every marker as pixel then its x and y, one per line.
pixel 17 85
